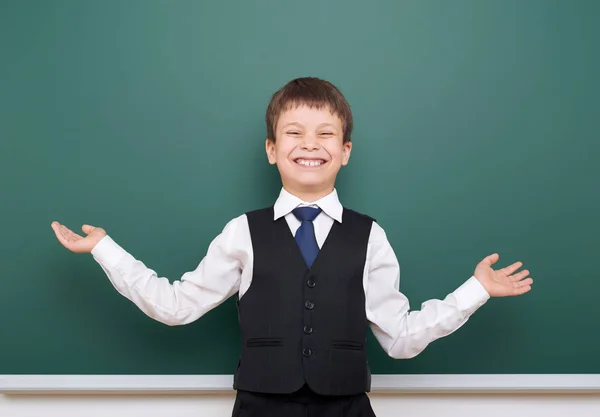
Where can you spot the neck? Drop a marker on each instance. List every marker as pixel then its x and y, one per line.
pixel 309 195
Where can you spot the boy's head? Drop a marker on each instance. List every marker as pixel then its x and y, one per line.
pixel 309 124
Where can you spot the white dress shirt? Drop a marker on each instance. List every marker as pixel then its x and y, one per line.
pixel 227 269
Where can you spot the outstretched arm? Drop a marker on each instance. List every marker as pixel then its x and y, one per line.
pixel 403 333
pixel 215 279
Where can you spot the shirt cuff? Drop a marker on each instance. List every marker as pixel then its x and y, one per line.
pixel 108 252
pixel 471 295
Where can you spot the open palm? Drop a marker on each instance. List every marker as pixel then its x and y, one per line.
pixel 502 282
pixel 77 243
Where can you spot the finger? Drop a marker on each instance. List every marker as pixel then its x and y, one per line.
pixel 61 238
pixel 64 231
pixel 512 268
pixel 73 235
pixel 519 276
pixel 521 290
pixel 55 226
pixel 69 235
pixel 525 283
pixel 491 259
pixel 58 229
pixel 87 229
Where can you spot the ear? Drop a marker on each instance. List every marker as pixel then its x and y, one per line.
pixel 346 149
pixel 270 149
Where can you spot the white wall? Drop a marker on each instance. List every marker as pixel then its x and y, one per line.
pixel 219 405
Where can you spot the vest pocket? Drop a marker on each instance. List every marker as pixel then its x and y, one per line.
pixel 346 345
pixel 264 342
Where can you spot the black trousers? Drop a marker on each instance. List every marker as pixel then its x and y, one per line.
pixel 303 403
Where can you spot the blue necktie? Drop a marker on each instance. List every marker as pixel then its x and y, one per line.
pixel 305 235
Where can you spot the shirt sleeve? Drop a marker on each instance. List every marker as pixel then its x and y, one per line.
pixel 400 332
pixel 215 279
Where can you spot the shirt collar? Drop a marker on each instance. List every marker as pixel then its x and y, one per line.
pixel 286 202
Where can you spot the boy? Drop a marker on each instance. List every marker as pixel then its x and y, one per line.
pixel 311 275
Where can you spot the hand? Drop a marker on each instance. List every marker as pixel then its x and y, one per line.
pixel 76 243
pixel 502 283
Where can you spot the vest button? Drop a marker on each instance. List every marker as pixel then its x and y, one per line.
pixel 307 352
pixel 308 330
pixel 311 283
pixel 309 305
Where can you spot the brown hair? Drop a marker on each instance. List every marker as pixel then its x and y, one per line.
pixel 312 92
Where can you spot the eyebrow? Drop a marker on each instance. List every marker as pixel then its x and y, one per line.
pixel 292 124
pixel 301 126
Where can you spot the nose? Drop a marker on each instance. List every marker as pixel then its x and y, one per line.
pixel 309 143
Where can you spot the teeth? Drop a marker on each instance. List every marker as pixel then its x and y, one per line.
pixel 309 163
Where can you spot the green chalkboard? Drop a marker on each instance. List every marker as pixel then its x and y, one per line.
pixel 476 131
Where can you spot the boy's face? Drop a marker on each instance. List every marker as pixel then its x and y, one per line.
pixel 309 150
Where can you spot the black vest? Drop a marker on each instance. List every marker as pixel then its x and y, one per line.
pixel 302 326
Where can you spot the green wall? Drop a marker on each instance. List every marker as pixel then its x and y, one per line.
pixel 476 131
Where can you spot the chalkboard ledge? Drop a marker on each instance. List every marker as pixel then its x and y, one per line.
pixel 211 384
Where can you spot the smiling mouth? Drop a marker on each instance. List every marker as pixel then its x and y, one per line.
pixel 311 163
